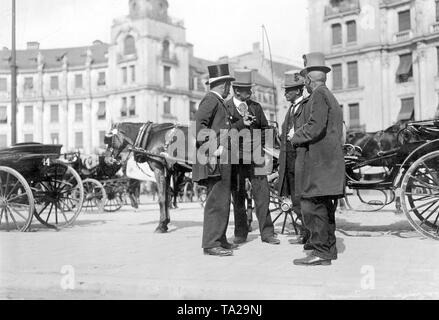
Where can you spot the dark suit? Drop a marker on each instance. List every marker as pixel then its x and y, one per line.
pixel 320 168
pixel 244 170
pixel 287 157
pixel 213 114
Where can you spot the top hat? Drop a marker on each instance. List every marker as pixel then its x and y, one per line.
pixel 314 61
pixel 219 72
pixel 244 78
pixel 293 80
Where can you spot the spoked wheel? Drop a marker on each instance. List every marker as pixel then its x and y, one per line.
pixel 114 201
pixel 420 195
pixel 94 196
pixel 16 201
pixel 59 195
pixel 281 206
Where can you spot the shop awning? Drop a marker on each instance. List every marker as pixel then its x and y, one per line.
pixel 407 112
pixel 405 65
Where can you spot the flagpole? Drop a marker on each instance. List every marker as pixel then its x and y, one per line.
pixel 13 80
pixel 272 72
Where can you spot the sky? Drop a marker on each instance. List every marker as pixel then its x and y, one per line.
pixel 216 28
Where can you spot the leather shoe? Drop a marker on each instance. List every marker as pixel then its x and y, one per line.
pixel 229 246
pixel 239 240
pixel 221 252
pixel 299 240
pixel 272 240
pixel 312 261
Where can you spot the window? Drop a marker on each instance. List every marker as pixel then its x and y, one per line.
pixel 405 69
pixel 102 138
pixel 354 116
pixel 28 137
pixel 3 115
pixel 404 20
pixel 129 46
pixel 78 81
pixel 193 110
pixel 167 105
pixel 28 83
pixel 165 52
pixel 54 113
pixel 337 77
pixel 78 112
pixel 437 10
pixel 54 83
pixel 352 31
pixel 28 114
pixel 133 73
pixel 124 75
pixel 353 74
pixel 407 112
pixel 102 110
pixel 54 138
pixel 101 79
pixel 132 108
pixel 437 59
pixel 3 141
pixel 167 75
pixel 3 85
pixel 124 109
pixel 78 140
pixel 336 34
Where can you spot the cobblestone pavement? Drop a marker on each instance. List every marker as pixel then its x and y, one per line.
pixel 117 256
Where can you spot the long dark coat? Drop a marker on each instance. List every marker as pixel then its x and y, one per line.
pixel 320 162
pixel 212 114
pixel 287 152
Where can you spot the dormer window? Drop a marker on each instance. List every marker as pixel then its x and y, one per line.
pixel 129 45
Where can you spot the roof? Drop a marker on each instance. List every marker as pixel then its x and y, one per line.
pixel 200 65
pixel 262 81
pixel 280 68
pixel 53 58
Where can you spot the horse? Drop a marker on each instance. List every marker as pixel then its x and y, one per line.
pixel 150 142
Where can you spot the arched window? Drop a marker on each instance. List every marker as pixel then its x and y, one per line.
pixel 165 51
pixel 129 45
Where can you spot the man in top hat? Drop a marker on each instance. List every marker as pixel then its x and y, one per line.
pixel 293 85
pixel 242 108
pixel 212 118
pixel 318 135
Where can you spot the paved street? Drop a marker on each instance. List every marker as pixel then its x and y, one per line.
pixel 117 256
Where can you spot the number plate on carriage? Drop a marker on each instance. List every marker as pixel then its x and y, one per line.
pixel 47 162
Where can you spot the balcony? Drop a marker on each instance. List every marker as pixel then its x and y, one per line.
pixel 435 27
pixel 403 36
pixel 169 59
pixel 386 4
pixel 340 8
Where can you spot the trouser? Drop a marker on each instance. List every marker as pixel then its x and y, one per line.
pixel 217 209
pixel 261 196
pixel 319 218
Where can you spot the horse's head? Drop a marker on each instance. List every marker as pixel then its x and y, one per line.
pixel 121 136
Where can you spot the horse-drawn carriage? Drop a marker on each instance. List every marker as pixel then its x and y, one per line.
pixel 409 174
pixel 35 183
pixel 105 189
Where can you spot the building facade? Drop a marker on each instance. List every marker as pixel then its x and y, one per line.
pixel 384 56
pixel 147 72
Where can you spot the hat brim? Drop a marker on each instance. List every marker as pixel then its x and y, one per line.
pixel 293 86
pixel 224 78
pixel 243 85
pixel 324 69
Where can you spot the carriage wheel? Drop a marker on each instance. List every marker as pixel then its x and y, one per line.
pixel 94 196
pixel 420 195
pixel 280 206
pixel 114 200
pixel 16 201
pixel 59 195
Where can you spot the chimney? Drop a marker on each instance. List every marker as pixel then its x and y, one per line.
pixel 33 45
pixel 256 46
pixel 97 43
